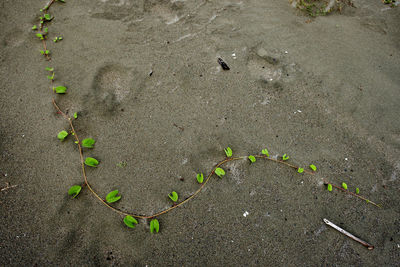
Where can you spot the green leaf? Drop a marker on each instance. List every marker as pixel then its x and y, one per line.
pixel 130 221
pixel 75 115
pixel 47 52
pixel 200 178
pixel 60 38
pixel 122 164
pixel 48 17
pixel 112 197
pixel 92 162
pixel 285 157
pixel 88 142
pixel 74 190
pixel 219 172
pixel 60 89
pixel 173 196
pixel 50 77
pixel 344 185
pixel 313 167
pixel 62 135
pixel 265 152
pixel 49 69
pixel 42 52
pixel 34 27
pixel 300 170
pixel 39 35
pixel 228 152
pixel 154 226
pixel 357 191
pixel 329 187
pixel 46 30
pixel 252 159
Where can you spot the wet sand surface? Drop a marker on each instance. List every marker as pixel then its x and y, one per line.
pixel 324 91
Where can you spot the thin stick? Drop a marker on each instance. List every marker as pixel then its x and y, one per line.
pixel 8 186
pixel 334 226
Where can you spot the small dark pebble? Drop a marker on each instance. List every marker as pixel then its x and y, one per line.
pixel 182 179
pixel 223 64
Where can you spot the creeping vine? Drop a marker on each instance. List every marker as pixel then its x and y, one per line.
pixel 130 219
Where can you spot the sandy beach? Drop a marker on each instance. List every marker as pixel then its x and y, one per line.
pixel 143 77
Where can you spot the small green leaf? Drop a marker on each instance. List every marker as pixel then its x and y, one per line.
pixel 49 69
pixel 74 190
pixel 228 152
pixel 130 221
pixel 329 187
pixel 88 142
pixel 46 30
pixel 219 172
pixel 42 52
pixel 344 185
pixel 34 27
pixel 60 38
pixel 50 77
pixel 60 89
pixel 47 52
pixel 75 115
pixel 173 196
pixel 265 152
pixel 200 178
pixel 357 191
pixel 252 159
pixel 62 135
pixel 285 157
pixel 39 35
pixel 92 162
pixel 154 226
pixel 300 170
pixel 122 164
pixel 313 167
pixel 112 197
pixel 48 17
pixel 76 142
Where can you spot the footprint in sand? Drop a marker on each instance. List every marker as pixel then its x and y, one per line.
pixel 270 65
pixel 111 84
pixel 14 38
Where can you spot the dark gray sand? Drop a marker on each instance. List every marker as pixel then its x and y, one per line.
pixel 324 91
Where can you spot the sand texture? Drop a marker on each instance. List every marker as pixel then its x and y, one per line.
pixel 325 91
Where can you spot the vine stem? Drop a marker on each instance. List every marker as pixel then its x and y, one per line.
pixel 48 58
pixel 191 196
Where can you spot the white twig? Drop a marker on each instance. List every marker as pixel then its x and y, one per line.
pixel 365 244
